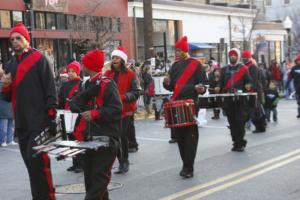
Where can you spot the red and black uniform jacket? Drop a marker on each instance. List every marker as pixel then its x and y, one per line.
pixel 100 97
pixel 256 76
pixel 185 74
pixel 234 78
pixel 32 91
pixel 128 89
pixel 66 91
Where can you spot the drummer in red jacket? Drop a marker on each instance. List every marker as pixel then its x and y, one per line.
pixel 129 93
pixel 186 79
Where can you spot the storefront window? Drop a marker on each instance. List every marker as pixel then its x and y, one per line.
pixel 61 21
pixel 5 19
pixel 116 25
pixel 107 24
pixel 71 22
pixel 50 17
pixel 17 17
pixel 40 20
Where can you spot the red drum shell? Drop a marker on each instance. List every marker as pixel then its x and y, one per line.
pixel 180 113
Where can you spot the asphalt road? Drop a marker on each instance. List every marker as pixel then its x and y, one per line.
pixel 267 170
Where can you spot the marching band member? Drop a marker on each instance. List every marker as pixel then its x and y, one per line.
pixel 67 90
pixel 29 84
pixel 100 106
pixel 185 79
pixel 295 76
pixel 235 78
pixel 256 113
pixel 129 92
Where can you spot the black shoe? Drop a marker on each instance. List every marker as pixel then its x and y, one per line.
pixel 132 150
pixel 78 170
pixel 123 168
pixel 298 116
pixel 72 168
pixel 238 148
pixel 186 174
pixel 172 141
pixel 258 131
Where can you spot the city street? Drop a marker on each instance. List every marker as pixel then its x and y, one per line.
pixel 267 170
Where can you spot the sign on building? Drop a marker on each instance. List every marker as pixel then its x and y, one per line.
pixel 50 5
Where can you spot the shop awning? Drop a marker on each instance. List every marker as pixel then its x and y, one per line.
pixel 194 46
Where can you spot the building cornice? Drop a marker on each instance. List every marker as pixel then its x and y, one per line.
pixel 190 7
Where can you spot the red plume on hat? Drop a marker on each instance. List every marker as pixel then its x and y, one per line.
pixel 94 60
pixel 182 44
pixel 120 52
pixel 246 54
pixel 20 28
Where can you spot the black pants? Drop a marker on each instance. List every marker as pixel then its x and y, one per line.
pixel 237 118
pixel 187 139
pixel 173 135
pixel 132 143
pixel 97 172
pixel 123 155
pixel 258 117
pixel 38 167
pixel 76 159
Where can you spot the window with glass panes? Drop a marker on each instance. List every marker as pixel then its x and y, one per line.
pixel 61 21
pixel 40 22
pixel 50 19
pixel 17 17
pixel 5 19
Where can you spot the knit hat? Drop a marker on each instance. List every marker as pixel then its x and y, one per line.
pixel 297 58
pixel 120 52
pixel 75 66
pixel 246 54
pixel 94 60
pixel 233 52
pixel 182 44
pixel 20 28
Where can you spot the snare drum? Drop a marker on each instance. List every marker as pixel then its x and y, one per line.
pixel 180 113
pixel 69 119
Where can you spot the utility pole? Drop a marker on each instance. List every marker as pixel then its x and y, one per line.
pixel 148 29
pixel 230 34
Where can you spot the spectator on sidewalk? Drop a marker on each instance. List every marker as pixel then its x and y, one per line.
pixel 6 120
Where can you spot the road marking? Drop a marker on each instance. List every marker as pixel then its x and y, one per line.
pixel 230 176
pixel 243 179
pixel 220 127
pixel 152 139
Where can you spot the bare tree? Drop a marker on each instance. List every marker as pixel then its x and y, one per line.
pixel 247 30
pixel 294 15
pixel 88 31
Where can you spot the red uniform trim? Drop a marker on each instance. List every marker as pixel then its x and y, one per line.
pixel 78 132
pixel 95 114
pixel 70 94
pixel 236 77
pixel 186 75
pixel 48 176
pixel 6 89
pixel 23 67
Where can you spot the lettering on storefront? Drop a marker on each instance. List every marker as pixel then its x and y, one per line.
pixel 50 5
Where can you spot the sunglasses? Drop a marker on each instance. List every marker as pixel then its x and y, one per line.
pixel 15 38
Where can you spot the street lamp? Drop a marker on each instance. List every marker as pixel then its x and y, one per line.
pixel 288 24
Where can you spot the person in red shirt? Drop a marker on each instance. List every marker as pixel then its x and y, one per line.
pixel 129 91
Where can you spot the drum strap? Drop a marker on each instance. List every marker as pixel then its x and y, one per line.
pixel 236 77
pixel 186 75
